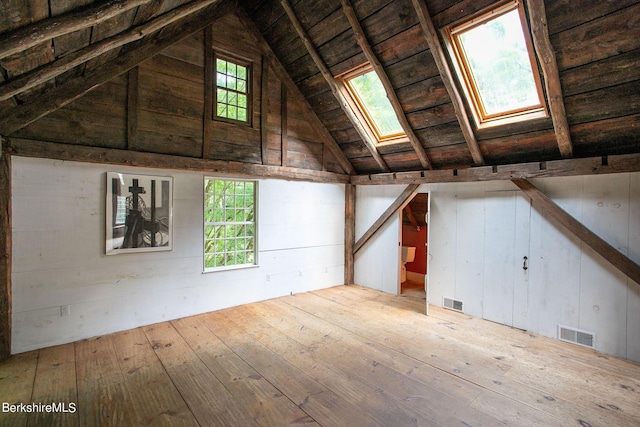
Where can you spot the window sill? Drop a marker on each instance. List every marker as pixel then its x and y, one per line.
pixel 230 268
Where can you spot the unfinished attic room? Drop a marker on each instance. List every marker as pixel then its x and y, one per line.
pixel 320 213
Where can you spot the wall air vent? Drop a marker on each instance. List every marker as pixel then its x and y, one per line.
pixel 576 336
pixel 452 304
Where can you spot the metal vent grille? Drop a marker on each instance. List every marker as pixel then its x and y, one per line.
pixel 576 336
pixel 452 304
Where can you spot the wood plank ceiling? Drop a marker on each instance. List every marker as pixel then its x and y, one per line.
pixel 588 55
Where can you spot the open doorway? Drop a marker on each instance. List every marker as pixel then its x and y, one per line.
pixel 414 252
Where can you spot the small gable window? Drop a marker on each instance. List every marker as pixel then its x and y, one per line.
pixel 370 99
pixel 232 94
pixel 494 60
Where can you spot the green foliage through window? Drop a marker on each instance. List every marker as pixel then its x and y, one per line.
pixel 229 223
pixel 232 90
pixel 373 97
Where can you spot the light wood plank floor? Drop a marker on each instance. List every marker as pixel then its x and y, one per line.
pixel 341 356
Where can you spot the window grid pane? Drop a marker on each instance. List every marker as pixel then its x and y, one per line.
pixel 229 237
pixel 232 90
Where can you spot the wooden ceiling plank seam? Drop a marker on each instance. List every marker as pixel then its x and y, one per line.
pixel 384 78
pixel 549 65
pixel 25 114
pixel 335 86
pixel 67 62
pixel 400 202
pixel 439 56
pixel 599 165
pixel 616 258
pixel 114 156
pixel 32 35
pixel 286 79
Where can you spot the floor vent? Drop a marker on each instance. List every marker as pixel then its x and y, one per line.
pixel 452 304
pixel 576 336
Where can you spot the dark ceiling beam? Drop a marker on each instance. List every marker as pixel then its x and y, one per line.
pixel 32 35
pixel 24 114
pixel 285 78
pixel 337 87
pixel 384 78
pixel 112 156
pixel 621 163
pixel 399 203
pixel 595 242
pixel 549 65
pixel 440 58
pixel 67 62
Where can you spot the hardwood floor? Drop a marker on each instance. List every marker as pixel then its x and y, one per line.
pixel 341 356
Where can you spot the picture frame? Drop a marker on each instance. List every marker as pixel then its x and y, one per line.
pixel 139 213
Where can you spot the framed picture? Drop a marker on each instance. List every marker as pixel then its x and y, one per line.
pixel 139 217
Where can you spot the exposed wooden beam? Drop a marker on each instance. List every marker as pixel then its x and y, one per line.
pixel 285 78
pixel 440 58
pixel 81 153
pixel 349 233
pixel 67 62
pixel 384 78
pixel 264 112
pixel 22 115
pixel 402 199
pixel 411 216
pixel 595 242
pixel 5 255
pixel 284 126
pixel 549 65
pixel 568 167
pixel 209 72
pixel 337 87
pixel 34 34
pixel 132 108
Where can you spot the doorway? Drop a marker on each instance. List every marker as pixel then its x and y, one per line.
pixel 414 220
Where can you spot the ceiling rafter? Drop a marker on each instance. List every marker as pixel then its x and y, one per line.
pixel 549 65
pixel 337 87
pixel 67 62
pixel 22 115
pixel 440 58
pixel 384 78
pixel 285 78
pixel 32 35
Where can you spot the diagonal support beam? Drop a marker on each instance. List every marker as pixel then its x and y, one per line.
pixel 32 35
pixel 402 199
pixel 595 242
pixel 290 85
pixel 549 65
pixel 384 78
pixel 27 113
pixel 67 62
pixel 440 58
pixel 336 86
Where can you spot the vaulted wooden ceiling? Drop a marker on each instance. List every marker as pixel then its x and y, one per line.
pixel 54 51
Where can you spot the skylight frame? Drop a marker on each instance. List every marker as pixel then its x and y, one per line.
pixel 466 77
pixel 361 108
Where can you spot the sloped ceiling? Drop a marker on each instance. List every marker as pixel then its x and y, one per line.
pixel 45 45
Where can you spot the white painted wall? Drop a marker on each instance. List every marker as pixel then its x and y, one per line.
pixel 58 253
pixel 376 263
pixel 568 283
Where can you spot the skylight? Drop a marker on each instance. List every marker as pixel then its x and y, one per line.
pixel 495 62
pixel 367 90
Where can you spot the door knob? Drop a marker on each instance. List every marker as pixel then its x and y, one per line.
pixel 524 263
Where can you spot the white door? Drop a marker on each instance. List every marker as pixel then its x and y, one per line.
pixel 506 252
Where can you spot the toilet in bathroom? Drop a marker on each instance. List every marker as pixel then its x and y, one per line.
pixel 408 255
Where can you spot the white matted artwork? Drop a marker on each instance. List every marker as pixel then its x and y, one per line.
pixel 139 216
